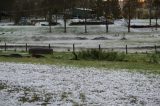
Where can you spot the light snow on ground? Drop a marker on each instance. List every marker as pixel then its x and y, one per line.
pixel 34 85
pixel 75 34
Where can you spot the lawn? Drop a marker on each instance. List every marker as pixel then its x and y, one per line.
pixel 59 79
pixel 145 63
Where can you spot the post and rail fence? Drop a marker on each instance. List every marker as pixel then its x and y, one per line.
pixel 73 48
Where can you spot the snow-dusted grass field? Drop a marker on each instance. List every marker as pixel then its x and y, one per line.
pixel 75 34
pixel 52 85
pixel 33 85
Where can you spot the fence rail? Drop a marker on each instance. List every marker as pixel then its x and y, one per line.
pixel 74 47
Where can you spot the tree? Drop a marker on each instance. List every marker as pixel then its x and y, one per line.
pixel 131 5
pixel 99 8
pixel 65 17
pixel 5 7
pixel 157 10
pixel 58 6
pixel 85 6
pixel 51 7
pixel 25 8
pixel 115 8
pixel 67 6
pixel 107 10
pixel 129 10
pixel 149 2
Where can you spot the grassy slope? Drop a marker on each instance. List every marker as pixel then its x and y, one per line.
pixel 135 62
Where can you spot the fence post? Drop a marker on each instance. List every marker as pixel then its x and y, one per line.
pixel 155 48
pixel 99 47
pixel 26 47
pixel 15 49
pixel 49 46
pixel 75 55
pixel 126 49
pixel 99 52
pixel 5 47
pixel 73 48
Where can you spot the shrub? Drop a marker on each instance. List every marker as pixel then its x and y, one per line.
pixel 89 54
pixel 154 58
pixel 2 86
pixel 94 54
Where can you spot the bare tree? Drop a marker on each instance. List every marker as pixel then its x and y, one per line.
pixel 157 11
pixel 150 12
pixel 64 17
pixel 129 10
pixel 50 20
pixel 129 16
pixel 107 13
pixel 67 7
pixel 84 3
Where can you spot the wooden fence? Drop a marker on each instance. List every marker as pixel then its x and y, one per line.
pixel 127 49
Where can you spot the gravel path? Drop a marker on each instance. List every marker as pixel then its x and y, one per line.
pixel 32 85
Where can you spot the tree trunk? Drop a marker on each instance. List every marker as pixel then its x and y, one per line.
pixel 156 18
pixel 85 16
pixel 65 25
pixel 50 21
pixel 56 17
pixel 50 29
pixel 64 17
pixel 129 17
pixel 150 12
pixel 10 18
pixel 106 25
pixel 85 23
pixel 0 17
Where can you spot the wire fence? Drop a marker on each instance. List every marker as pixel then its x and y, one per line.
pixel 73 48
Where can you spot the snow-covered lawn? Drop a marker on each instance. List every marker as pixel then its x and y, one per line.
pixel 75 34
pixel 33 85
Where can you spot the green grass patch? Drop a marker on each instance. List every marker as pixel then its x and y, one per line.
pixel 2 86
pixel 145 63
pixel 94 54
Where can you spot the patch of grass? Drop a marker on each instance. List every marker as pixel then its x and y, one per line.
pixel 47 98
pixel 2 86
pixel 154 58
pixel 133 99
pixel 94 54
pixel 76 104
pixel 29 95
pixel 64 96
pixel 30 99
pixel 82 97
pixel 34 98
pixel 132 62
pixel 23 99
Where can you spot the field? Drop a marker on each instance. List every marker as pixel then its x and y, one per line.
pixel 75 34
pixel 94 79
pixel 50 85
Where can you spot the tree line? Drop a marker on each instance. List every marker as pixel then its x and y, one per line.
pixel 110 9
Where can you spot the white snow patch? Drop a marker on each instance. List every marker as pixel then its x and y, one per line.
pixel 67 86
